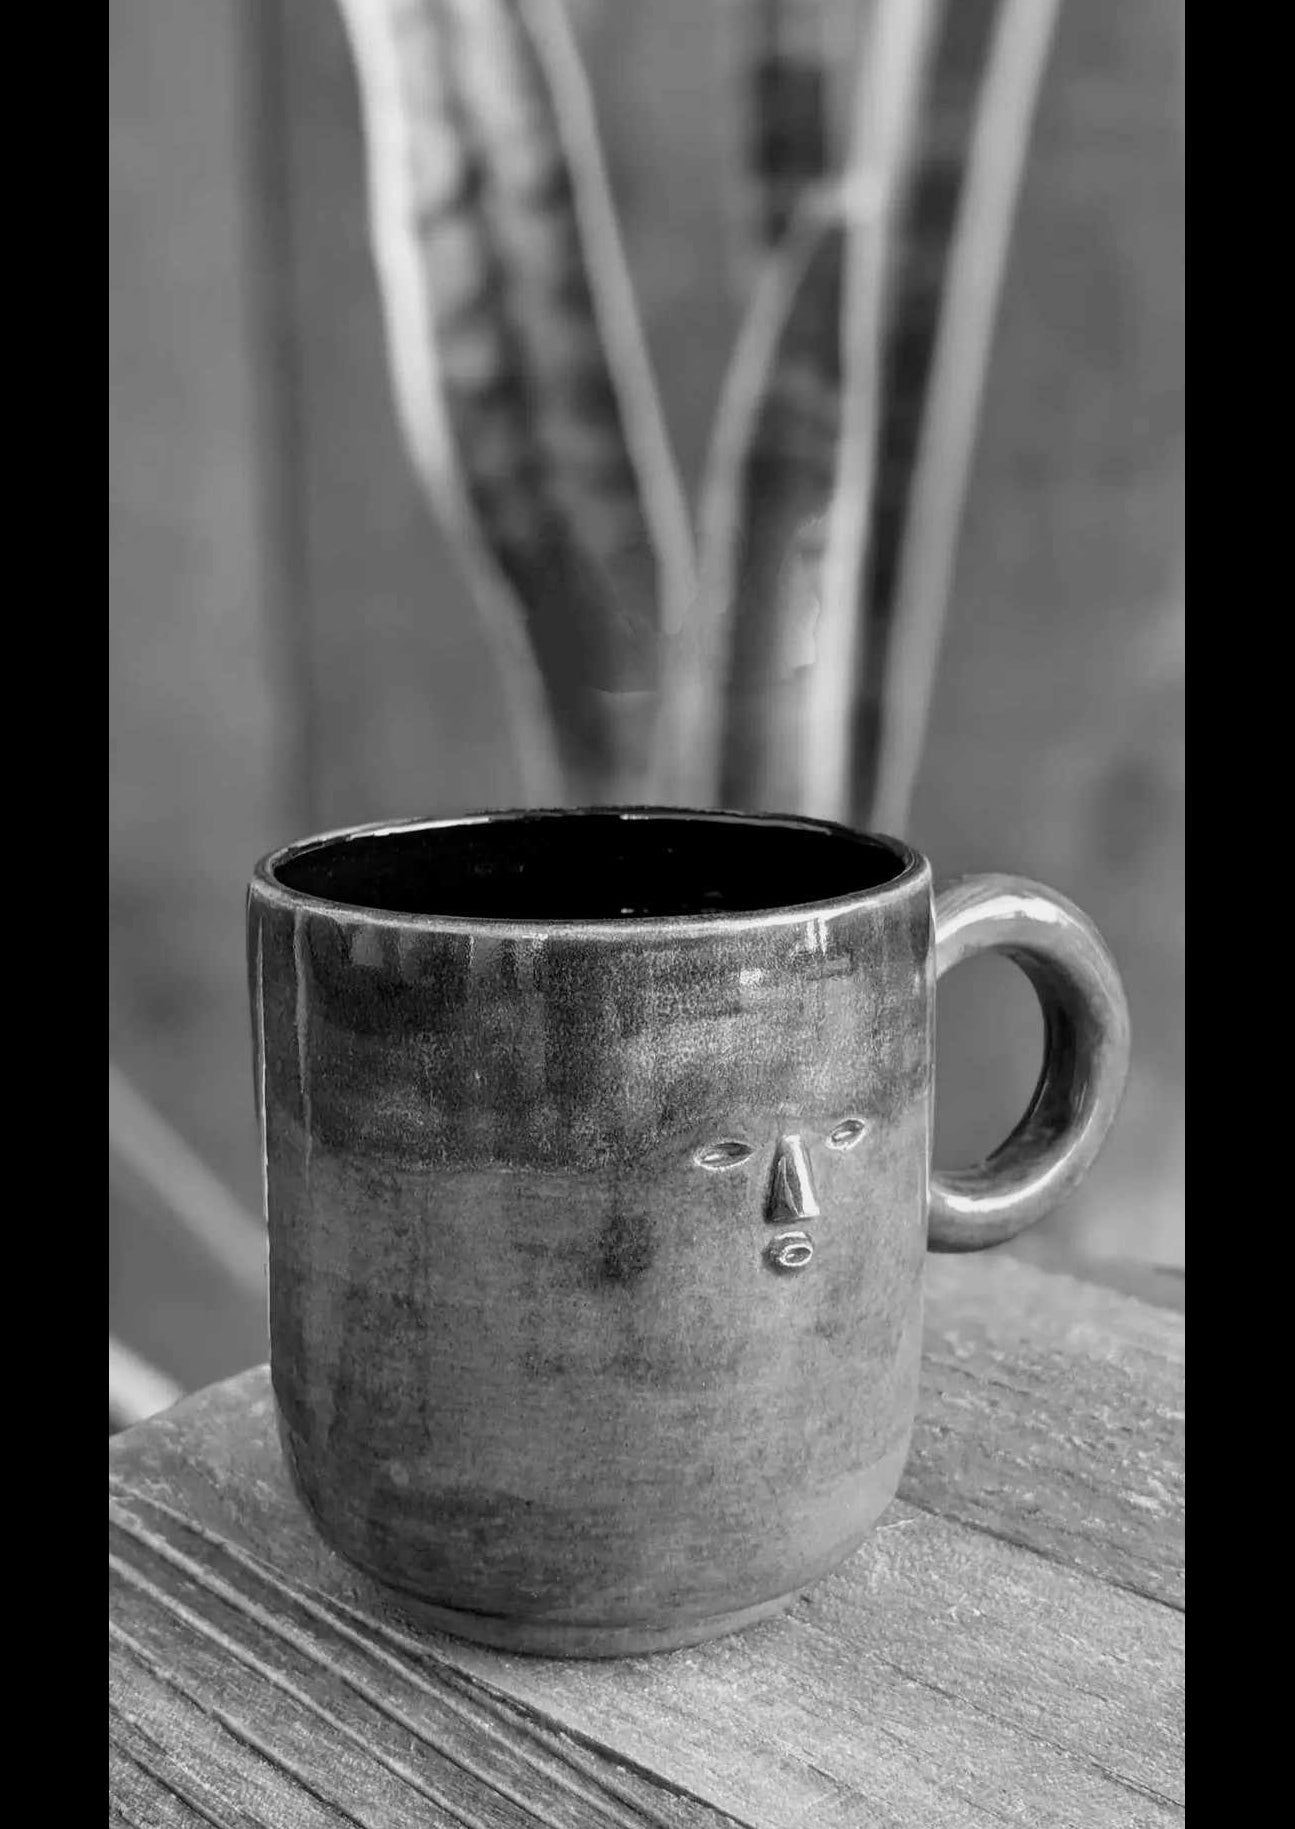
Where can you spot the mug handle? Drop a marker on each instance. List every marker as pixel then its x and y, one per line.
pixel 1085 1056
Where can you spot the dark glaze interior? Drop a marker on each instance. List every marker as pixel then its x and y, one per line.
pixel 593 866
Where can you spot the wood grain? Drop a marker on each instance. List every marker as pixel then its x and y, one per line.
pixel 994 1653
pixel 1052 1415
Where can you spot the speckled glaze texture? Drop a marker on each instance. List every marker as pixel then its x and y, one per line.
pixel 596 1245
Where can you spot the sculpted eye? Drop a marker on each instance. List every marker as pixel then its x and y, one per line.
pixel 846 1135
pixel 727 1154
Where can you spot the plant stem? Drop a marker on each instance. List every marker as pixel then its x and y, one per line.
pixel 939 485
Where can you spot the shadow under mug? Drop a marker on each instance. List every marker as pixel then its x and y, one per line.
pixel 598 1178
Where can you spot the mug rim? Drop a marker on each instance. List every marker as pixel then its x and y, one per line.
pixel 913 866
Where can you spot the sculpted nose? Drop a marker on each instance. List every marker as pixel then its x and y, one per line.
pixel 791 1186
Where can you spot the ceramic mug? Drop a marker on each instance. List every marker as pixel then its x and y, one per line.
pixel 598 1176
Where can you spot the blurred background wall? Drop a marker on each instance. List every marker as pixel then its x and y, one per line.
pixel 291 650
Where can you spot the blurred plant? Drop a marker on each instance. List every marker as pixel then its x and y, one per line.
pixel 786 660
pixel 136 1389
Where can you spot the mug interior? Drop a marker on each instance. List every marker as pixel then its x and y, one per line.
pixel 598 865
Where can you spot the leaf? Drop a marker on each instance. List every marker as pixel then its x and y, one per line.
pixel 520 374
pixel 788 487
pixel 920 515
pixel 767 489
pixel 898 517
pixel 153 1158
pixel 787 149
pixel 136 1389
pixel 895 56
pixel 782 111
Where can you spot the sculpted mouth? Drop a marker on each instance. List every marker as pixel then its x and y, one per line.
pixel 790 1251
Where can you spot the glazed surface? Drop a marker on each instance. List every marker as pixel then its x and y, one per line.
pixel 595 1262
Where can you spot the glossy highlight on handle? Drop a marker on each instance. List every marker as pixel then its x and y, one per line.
pixel 1085 1056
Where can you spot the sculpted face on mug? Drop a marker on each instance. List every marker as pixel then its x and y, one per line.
pixel 701 1108
pixel 770 1181
pixel 737 1129
pixel 790 1199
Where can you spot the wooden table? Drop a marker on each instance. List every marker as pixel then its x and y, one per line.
pixel 1007 1648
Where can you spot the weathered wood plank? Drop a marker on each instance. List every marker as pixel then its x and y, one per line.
pixel 348 1717
pixel 940 1678
pixel 946 1675
pixel 1052 1414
